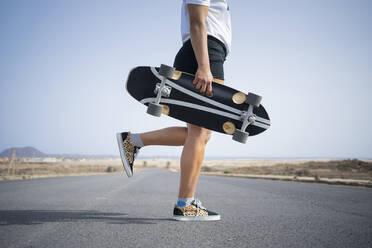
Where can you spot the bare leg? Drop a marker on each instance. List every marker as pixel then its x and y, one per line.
pixel 192 159
pixel 194 140
pixel 171 136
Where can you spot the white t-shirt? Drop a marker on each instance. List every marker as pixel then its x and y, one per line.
pixel 218 20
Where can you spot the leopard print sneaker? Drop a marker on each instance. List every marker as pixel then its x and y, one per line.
pixel 128 152
pixel 194 212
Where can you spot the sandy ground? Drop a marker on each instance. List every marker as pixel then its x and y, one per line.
pixel 330 171
pixel 347 172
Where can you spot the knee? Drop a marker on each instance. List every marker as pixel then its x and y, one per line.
pixel 208 136
pixel 199 133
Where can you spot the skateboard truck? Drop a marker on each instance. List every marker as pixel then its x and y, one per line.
pixel 247 117
pixel 165 92
pixel 154 108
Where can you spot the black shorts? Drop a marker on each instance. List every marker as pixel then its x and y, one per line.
pixel 185 59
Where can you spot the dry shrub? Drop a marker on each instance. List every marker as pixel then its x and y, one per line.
pixel 110 169
pixel 302 173
pixel 207 169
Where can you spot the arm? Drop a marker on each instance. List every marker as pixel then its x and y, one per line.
pixel 198 34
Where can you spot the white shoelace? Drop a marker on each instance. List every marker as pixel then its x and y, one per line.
pixel 198 204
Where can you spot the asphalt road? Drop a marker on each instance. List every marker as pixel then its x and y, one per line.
pixel 115 211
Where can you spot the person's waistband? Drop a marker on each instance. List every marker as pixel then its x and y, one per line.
pixel 210 37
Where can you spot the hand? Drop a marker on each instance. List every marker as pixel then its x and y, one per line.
pixel 203 81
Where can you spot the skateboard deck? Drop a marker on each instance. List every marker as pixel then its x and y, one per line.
pixel 223 112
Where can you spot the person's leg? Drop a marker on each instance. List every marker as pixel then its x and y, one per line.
pixel 192 157
pixel 130 143
pixel 171 136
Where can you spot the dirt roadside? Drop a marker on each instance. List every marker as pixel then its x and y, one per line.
pixel 351 172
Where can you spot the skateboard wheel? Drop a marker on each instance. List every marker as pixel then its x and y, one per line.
pixel 154 109
pixel 253 99
pixel 166 71
pixel 240 136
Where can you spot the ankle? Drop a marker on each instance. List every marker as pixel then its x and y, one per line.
pixel 135 139
pixel 184 202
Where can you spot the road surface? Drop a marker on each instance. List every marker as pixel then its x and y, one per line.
pixel 116 211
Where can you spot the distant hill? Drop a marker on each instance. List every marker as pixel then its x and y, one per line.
pixel 23 152
pixel 32 152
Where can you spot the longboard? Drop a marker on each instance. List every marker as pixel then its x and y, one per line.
pixel 227 111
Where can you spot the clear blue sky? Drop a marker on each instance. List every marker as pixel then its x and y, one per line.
pixel 64 63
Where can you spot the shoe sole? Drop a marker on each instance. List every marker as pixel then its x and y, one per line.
pixel 197 218
pixel 122 155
